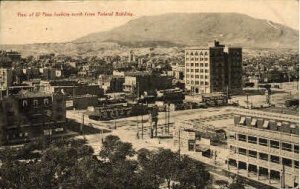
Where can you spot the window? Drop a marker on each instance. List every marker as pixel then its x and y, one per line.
pixel 252 140
pixel 192 76
pixel 35 103
pixel 206 77
pixel 201 64
pixel 263 156
pixel 201 70
pixel 24 103
pixel 197 82
pixel 296 164
pixel 46 101
pixel 242 137
pixel 206 83
pixel 192 70
pixel 287 162
pixel 192 64
pixel 296 149
pixel 196 76
pixel 206 64
pixel 232 149
pixel 205 59
pixel 187 59
pixel 252 153
pixel 201 76
pixel 242 151
pixel 187 70
pixel 275 159
pixel 201 82
pixel 286 147
pixel 263 142
pixel 197 70
pixel 274 144
pixel 206 70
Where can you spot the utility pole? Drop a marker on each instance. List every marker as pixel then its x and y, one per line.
pixel 137 127
pixel 138 89
pixel 142 121
pixel 165 127
pixel 82 125
pixel 247 101
pixel 179 142
pixel 101 133
pixel 168 118
pixel 227 93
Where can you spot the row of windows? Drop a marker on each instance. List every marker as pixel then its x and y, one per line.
pixel 197 59
pixel 197 64
pixel 197 70
pixel 197 76
pixel 271 143
pixel 196 53
pixel 35 102
pixel 197 82
pixel 266 157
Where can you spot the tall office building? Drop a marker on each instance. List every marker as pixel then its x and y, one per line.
pixel 213 69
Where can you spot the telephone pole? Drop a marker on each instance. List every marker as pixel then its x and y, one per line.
pixel 82 125
pixel 142 122
pixel 179 142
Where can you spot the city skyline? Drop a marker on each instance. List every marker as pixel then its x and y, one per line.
pixel 18 30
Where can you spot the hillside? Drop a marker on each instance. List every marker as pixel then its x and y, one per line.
pixel 199 29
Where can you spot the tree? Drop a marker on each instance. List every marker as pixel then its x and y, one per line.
pixel 192 174
pixel 238 183
pixel 149 168
pixel 114 149
pixel 167 163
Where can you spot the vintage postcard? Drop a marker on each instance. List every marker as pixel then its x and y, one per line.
pixel 166 94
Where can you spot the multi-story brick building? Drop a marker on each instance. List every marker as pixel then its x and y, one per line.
pixel 265 146
pixel 28 115
pixel 213 69
pixel 139 82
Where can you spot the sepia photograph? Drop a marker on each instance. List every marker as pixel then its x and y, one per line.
pixel 140 94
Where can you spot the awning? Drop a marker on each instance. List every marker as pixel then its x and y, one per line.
pixel 266 124
pixel 253 122
pixel 242 121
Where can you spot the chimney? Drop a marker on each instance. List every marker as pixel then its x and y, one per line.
pixel 216 43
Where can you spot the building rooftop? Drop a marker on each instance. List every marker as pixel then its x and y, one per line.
pixel 30 94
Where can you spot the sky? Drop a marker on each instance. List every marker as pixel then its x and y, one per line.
pixel 16 28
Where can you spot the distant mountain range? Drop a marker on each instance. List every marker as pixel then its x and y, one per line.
pixel 186 29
